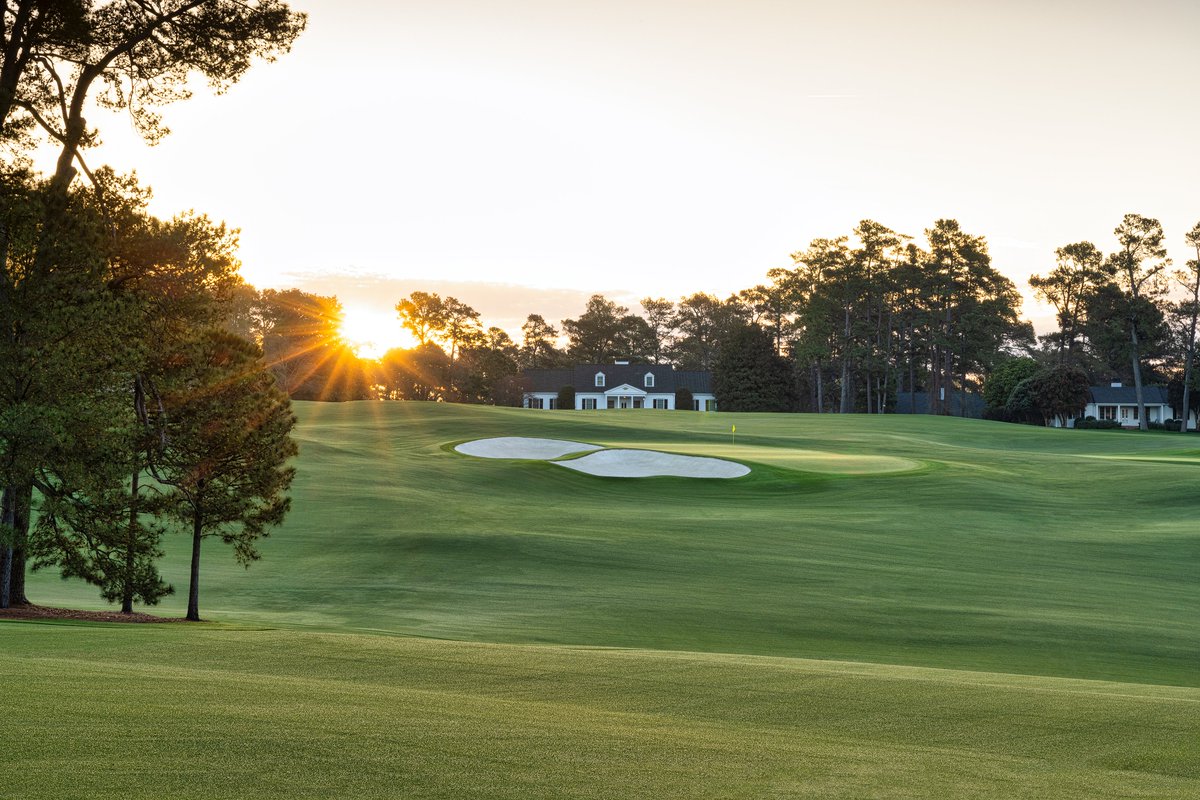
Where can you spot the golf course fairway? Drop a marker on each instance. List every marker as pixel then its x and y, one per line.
pixel 885 606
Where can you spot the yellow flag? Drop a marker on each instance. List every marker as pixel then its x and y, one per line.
pixel 734 429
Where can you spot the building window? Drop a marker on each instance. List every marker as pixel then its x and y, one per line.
pixel 600 379
pixel 649 380
pixel 589 404
pixel 1107 412
pixel 637 402
pixel 535 402
pixel 710 405
pixel 660 403
pixel 553 403
pixel 612 402
pixel 695 405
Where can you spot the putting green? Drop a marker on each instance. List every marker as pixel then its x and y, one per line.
pixel 803 460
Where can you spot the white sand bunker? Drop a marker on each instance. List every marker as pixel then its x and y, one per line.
pixel 649 464
pixel 522 447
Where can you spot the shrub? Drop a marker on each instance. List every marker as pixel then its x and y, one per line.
pixel 1054 392
pixel 1091 423
pixel 683 399
pixel 998 387
pixel 566 397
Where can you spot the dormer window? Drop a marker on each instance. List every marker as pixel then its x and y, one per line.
pixel 649 380
pixel 600 379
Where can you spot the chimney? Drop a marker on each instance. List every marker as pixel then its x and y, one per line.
pixel 1116 384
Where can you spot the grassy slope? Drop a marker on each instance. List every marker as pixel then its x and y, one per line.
pixel 223 713
pixel 902 541
pixel 1007 549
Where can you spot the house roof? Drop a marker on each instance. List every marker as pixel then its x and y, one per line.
pixel 695 380
pixel 583 378
pixel 549 380
pixel 1127 395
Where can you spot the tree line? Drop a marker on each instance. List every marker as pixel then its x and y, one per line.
pixel 855 324
pixel 1118 317
pixel 128 407
pixel 858 321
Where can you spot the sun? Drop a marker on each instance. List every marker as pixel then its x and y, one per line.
pixel 372 332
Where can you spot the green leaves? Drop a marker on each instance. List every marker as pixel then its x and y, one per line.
pixel 227 440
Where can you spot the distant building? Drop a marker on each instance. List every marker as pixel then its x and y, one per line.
pixel 1119 404
pixel 920 403
pixel 619 385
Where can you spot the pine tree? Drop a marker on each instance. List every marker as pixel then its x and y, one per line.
pixel 54 327
pixel 749 376
pixel 227 443
pixel 1139 269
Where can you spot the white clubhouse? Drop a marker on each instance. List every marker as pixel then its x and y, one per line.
pixel 619 385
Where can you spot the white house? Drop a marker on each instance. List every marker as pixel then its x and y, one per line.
pixel 1119 403
pixel 619 385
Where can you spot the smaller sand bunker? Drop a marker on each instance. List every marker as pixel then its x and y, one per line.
pixel 650 464
pixel 522 447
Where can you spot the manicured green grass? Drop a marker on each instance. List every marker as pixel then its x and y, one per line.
pixel 927 555
pixel 227 713
pixel 987 546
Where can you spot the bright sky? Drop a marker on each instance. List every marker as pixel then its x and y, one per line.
pixel 522 154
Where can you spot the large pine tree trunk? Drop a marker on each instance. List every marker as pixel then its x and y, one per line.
pixel 23 509
pixel 6 553
pixel 935 379
pixel 912 368
pixel 962 394
pixel 844 403
pixel 887 377
pixel 844 398
pixel 820 387
pixel 947 370
pixel 17 592
pixel 193 610
pixel 130 546
pixel 948 381
pixel 1137 376
pixel 1187 377
pixel 868 379
pixel 962 374
pixel 14 511
pixel 1190 357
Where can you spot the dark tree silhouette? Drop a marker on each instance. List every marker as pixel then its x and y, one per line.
pixel 749 376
